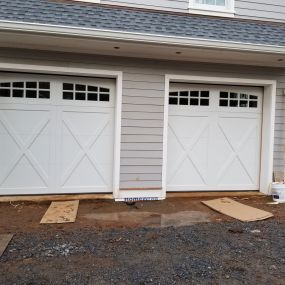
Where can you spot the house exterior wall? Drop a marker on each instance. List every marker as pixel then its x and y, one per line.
pixel 252 9
pixel 143 104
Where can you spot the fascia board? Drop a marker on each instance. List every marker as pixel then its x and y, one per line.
pixel 66 31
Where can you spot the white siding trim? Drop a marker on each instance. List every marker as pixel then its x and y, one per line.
pixel 267 145
pixel 118 75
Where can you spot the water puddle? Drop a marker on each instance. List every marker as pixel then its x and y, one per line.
pixel 150 219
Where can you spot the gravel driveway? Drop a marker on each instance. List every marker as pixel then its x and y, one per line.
pixel 208 253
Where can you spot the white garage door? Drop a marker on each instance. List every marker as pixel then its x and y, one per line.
pixel 214 137
pixel 56 134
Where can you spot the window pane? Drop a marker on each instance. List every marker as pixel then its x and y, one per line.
pixel 253 104
pixel 31 94
pixel 233 103
pixel 80 87
pixel 224 103
pixel 79 96
pixel 234 95
pixel 243 96
pixel 18 93
pixel 104 97
pixel 67 86
pixel 92 96
pixel 173 101
pixel 220 2
pixel 204 102
pixel 224 95
pixel 44 94
pixel 243 103
pixel 92 88
pixel 44 85
pixel 184 93
pixel 18 84
pixel 5 84
pixel 67 96
pixel 194 102
pixel 4 92
pixel 194 94
pixel 173 93
pixel 104 89
pixel 183 101
pixel 253 97
pixel 31 85
pixel 205 93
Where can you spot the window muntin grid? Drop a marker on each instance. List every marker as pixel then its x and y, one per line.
pixel 25 89
pixel 189 98
pixel 82 92
pixel 238 100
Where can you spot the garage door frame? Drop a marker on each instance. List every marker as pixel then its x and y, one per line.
pixel 268 120
pixel 84 72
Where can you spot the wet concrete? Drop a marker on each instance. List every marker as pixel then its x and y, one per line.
pixel 151 219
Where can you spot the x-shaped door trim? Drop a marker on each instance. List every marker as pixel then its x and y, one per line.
pixel 235 152
pixel 84 151
pixel 24 148
pixel 187 151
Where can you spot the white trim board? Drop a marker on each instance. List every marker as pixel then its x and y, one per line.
pixel 268 118
pixel 57 70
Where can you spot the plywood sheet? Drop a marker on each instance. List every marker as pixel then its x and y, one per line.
pixel 4 241
pixel 61 212
pixel 237 210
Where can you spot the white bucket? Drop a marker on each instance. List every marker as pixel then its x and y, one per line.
pixel 278 192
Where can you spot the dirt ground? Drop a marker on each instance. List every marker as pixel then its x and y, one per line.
pixel 176 241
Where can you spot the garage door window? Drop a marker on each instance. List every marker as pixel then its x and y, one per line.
pixel 25 89
pixel 238 100
pixel 189 97
pixel 85 92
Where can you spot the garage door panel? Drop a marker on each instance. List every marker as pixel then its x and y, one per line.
pixel 25 145
pixel 55 144
pixel 216 146
pixel 187 141
pixel 242 139
pixel 86 149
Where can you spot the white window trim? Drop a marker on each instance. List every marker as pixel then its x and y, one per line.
pixel 212 10
pixel 87 72
pixel 268 118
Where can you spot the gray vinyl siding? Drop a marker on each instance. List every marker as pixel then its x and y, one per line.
pixel 252 9
pixel 143 101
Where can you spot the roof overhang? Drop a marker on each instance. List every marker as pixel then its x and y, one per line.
pixel 65 38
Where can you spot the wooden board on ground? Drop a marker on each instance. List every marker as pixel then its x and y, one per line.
pixel 237 210
pixel 44 198
pixel 4 241
pixel 61 212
